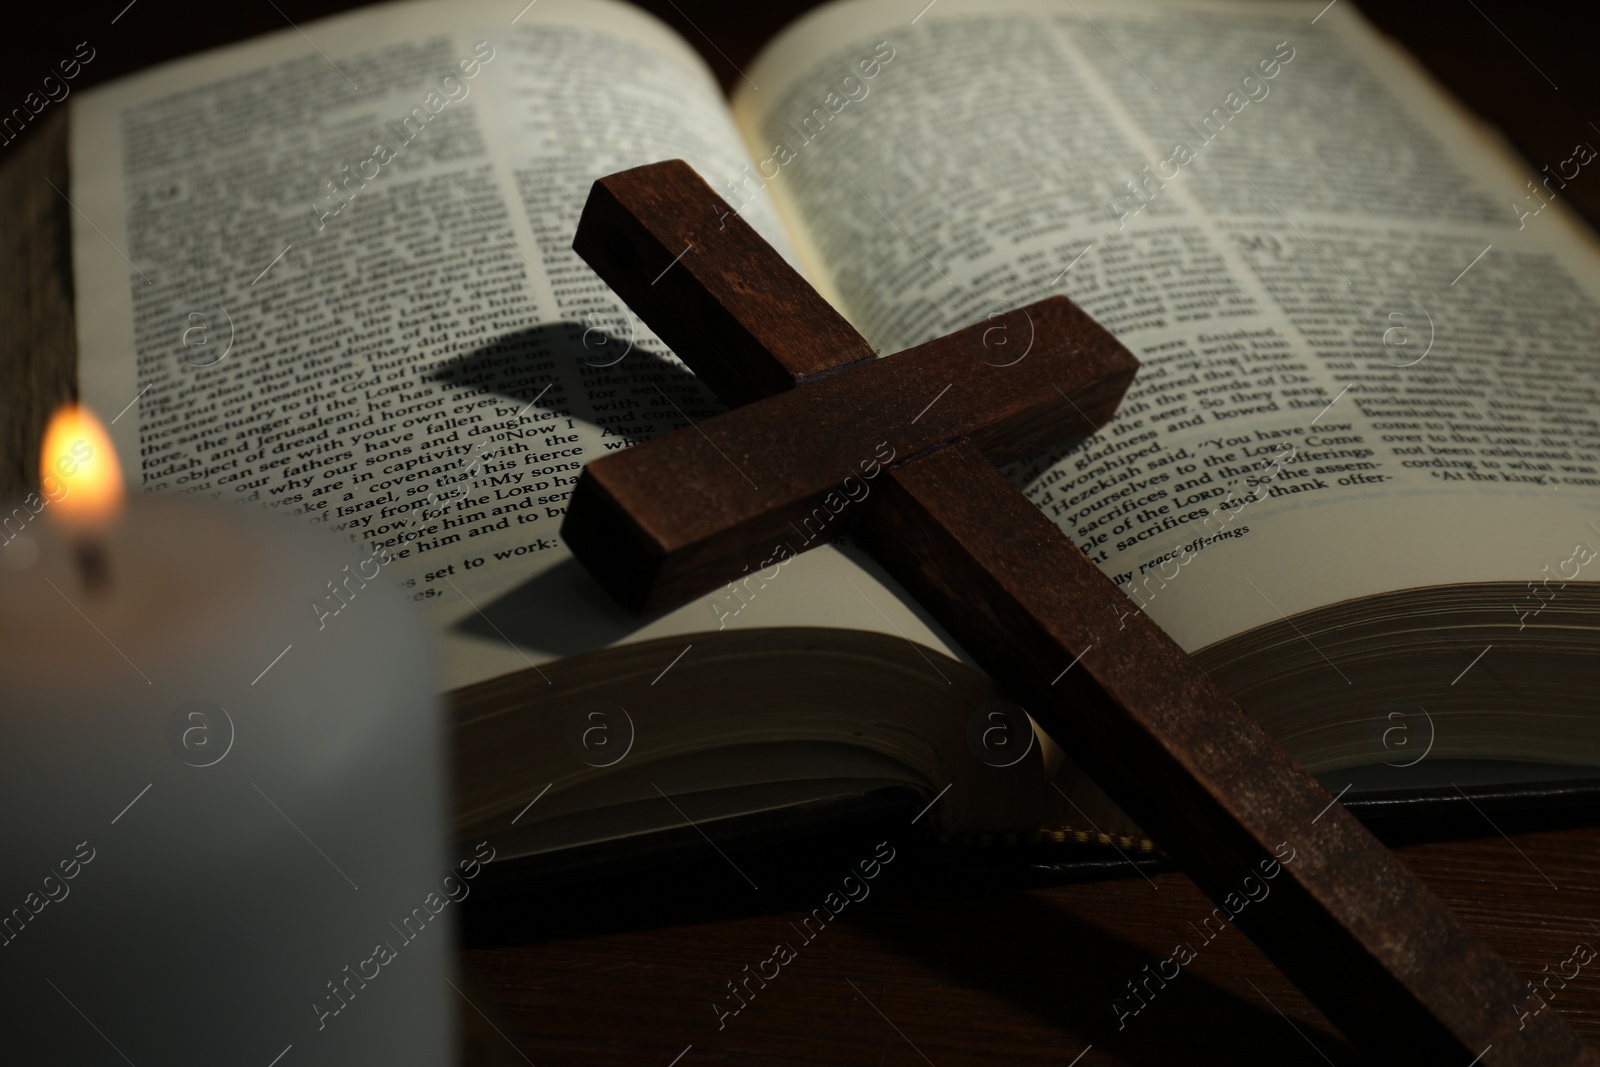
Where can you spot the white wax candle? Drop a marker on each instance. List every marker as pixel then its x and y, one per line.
pixel 222 808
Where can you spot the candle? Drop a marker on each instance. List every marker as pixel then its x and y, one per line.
pixel 223 792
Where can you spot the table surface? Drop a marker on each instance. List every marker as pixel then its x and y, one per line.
pixel 924 971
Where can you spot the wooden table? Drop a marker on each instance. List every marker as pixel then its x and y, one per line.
pixel 924 971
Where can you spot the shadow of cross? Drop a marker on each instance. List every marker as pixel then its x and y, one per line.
pixel 670 519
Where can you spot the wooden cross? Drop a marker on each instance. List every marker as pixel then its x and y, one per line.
pixel 686 512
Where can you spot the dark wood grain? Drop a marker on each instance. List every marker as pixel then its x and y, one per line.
pixel 716 306
pixel 687 512
pixel 1373 948
pixel 748 488
pixel 1022 978
pixel 1361 936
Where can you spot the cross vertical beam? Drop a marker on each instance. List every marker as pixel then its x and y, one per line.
pixel 1371 945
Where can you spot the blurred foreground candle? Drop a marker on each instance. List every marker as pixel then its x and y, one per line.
pixel 221 787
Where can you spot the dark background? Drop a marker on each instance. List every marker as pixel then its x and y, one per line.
pixel 1500 78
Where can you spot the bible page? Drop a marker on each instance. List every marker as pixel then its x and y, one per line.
pixel 329 272
pixel 1365 330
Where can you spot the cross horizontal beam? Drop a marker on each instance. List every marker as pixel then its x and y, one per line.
pixel 753 478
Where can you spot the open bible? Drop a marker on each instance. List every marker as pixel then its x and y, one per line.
pixel 329 272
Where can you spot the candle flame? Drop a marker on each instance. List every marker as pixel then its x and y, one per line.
pixel 79 475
